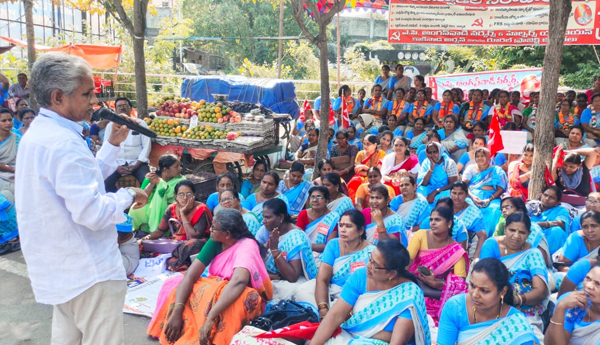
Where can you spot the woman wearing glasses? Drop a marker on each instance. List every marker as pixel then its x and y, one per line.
pixel 188 222
pixel 234 292
pixel 318 221
pixel 230 198
pixel 384 301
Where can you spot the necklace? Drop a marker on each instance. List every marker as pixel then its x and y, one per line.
pixel 475 315
pixel 506 248
pixel 344 252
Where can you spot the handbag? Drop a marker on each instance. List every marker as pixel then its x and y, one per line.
pixel 428 291
pixel 286 312
pixel 572 198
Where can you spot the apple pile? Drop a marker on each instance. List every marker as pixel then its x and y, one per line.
pixel 181 108
pixel 184 108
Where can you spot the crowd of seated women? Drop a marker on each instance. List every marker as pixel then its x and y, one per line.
pixel 411 233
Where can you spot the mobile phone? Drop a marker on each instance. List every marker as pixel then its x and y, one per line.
pixel 424 270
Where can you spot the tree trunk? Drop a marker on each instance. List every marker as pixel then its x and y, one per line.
pixel 325 91
pixel 140 8
pixel 28 4
pixel 544 143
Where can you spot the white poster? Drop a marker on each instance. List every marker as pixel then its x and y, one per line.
pixel 514 141
pixel 142 294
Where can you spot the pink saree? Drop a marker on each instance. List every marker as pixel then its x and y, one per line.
pixel 441 261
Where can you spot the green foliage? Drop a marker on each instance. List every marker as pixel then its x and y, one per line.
pixel 361 68
pixel 582 78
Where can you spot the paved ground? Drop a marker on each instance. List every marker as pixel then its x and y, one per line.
pixel 25 322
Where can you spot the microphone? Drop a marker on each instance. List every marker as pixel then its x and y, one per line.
pixel 110 115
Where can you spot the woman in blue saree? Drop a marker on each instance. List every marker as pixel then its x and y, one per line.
pixel 268 190
pixel 584 243
pixel 470 216
pixel 453 138
pixel 438 173
pixel 381 221
pixel 485 315
pixel 411 206
pixel 295 188
pixel 231 199
pixel 553 218
pixel 341 257
pixel 290 261
pixel 459 231
pixel 386 304
pixel 319 223
pixel 526 265
pixel 252 184
pixel 486 184
pixel 338 202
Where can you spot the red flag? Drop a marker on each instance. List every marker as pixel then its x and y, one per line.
pixel 305 107
pixel 495 144
pixel 331 115
pixel 303 330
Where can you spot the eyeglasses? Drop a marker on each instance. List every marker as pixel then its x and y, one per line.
pixel 507 207
pixel 592 203
pixel 182 195
pixel 122 106
pixel 372 264
pixel 229 198
pixel 316 197
pixel 213 229
pixel 431 152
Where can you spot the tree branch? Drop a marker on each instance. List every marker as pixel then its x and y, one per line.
pixel 337 8
pixel 123 19
pixel 298 12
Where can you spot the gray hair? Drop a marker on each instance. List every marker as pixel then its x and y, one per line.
pixel 56 71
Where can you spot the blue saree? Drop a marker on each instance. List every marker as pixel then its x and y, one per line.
pixel 493 177
pixel 257 209
pixel 394 224
pixel 413 212
pixel 297 194
pixel 292 244
pixel 344 266
pixel 556 236
pixel 439 176
pixel 319 230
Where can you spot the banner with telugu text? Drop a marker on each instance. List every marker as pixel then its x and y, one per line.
pixel 487 22
pixel 523 80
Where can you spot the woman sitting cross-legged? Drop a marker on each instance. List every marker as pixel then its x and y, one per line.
pixel 453 137
pixel 319 223
pixel 341 257
pixel 290 261
pixel 230 198
pixel 384 301
pixel 576 318
pixel 160 187
pixel 188 221
pixel 212 310
pixel 339 202
pixel 438 261
pixel 295 188
pixel 485 315
pixel 438 173
pixel 529 277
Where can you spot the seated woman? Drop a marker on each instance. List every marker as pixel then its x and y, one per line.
pixel 468 158
pixel 573 174
pixel 9 232
pixel 526 265
pixel 160 187
pixel 251 184
pixel 398 109
pixel 505 110
pixel 376 105
pixel 353 139
pixel 307 152
pixel 381 221
pixel 420 108
pixel 224 181
pixel 235 292
pixel 510 205
pixel 392 122
pixel 365 159
pixel 563 122
pixel 339 202
pixel 470 216
pixel 325 166
pixel 295 188
pixel 453 138
pixel 438 261
pixel 411 206
pixel 459 231
pixel 582 244
pixel 230 198
pixel 573 281
pixel 343 154
pixel 384 301
pixel 319 223
pixel 438 173
pixel 345 101
pixel 342 257
pixel 553 218
pixel 268 190
pixel 8 155
pixel 485 314
pixel 443 108
pixel 575 139
pixel 364 191
pixel 97 131
pixel 188 221
pixel 290 260
pixel 20 105
pixel 519 174
pixel 385 141
pixel 576 318
pixel 399 163
pixel 473 111
pixel 417 135
pixel 26 116
pixel 486 184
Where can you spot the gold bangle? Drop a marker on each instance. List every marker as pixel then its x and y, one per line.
pixel 278 256
pixel 176 304
pixel 323 305
pixel 556 323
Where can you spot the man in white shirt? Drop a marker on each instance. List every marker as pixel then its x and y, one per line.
pixel 66 219
pixel 133 158
pixel 20 89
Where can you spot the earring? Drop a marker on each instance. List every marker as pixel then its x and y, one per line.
pixel 501 301
pixel 389 279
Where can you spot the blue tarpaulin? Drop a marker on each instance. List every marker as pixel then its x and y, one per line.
pixel 275 94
